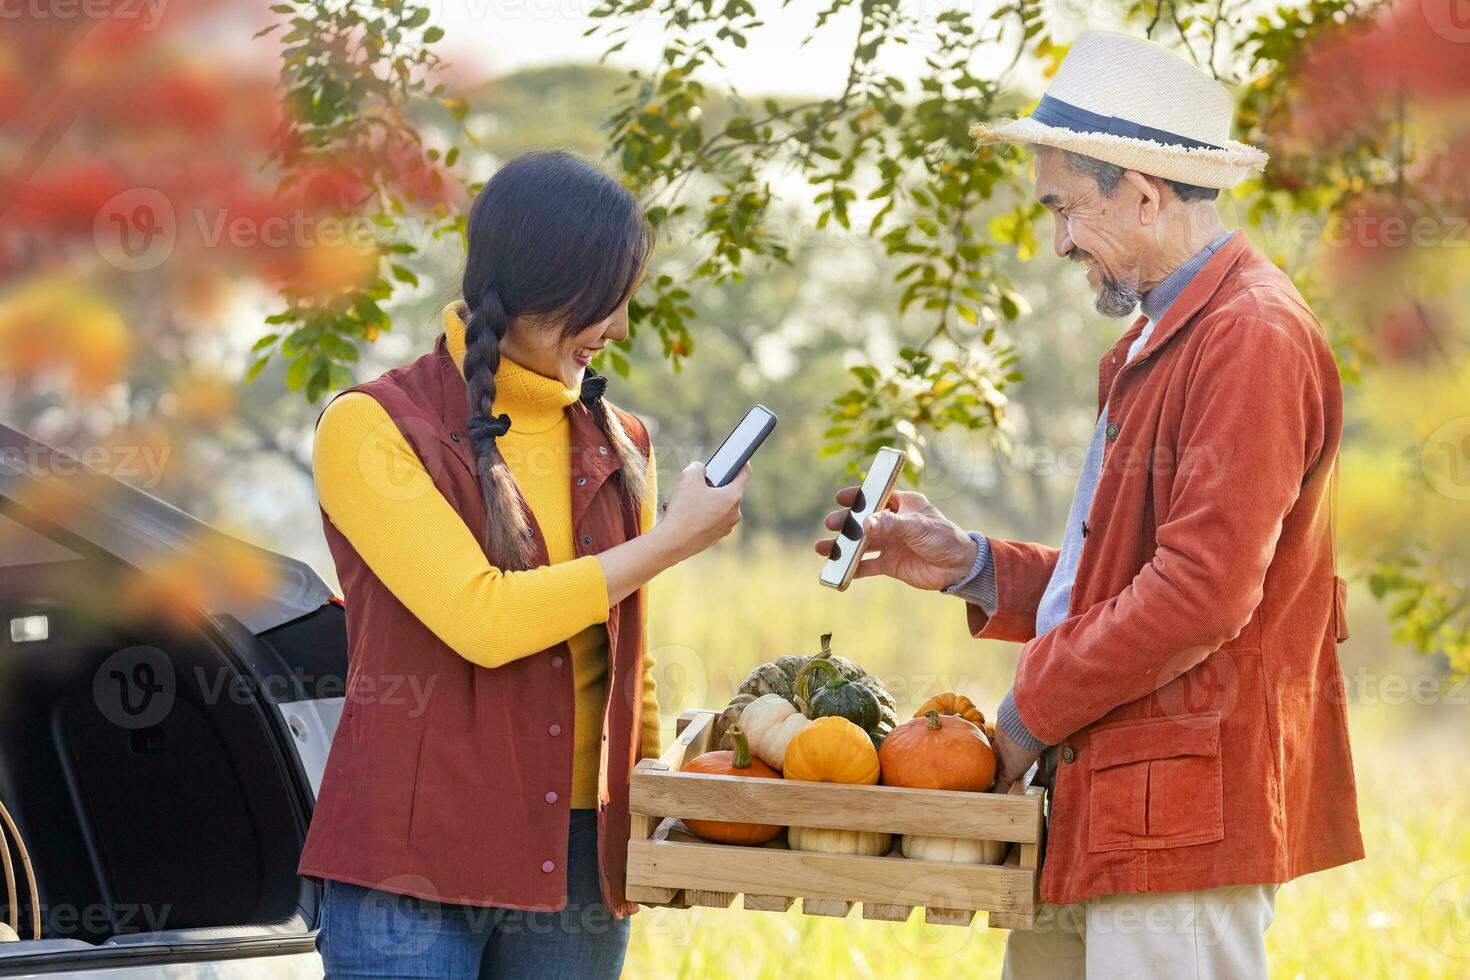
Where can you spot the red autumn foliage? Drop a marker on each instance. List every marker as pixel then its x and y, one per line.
pixel 1416 51
pixel 128 105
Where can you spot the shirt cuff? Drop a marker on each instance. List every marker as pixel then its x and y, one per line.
pixel 1008 718
pixel 979 585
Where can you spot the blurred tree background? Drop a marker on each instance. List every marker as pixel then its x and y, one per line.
pixel 286 213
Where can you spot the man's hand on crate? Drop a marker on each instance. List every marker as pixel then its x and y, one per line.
pixel 1011 761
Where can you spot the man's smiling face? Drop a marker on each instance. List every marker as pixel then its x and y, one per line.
pixel 1101 231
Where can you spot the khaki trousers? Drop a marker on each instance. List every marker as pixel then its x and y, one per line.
pixel 1204 935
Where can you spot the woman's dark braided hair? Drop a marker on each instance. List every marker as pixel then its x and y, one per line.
pixel 553 240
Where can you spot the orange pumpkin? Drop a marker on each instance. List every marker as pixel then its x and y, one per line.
pixel 732 762
pixel 938 752
pixel 953 703
pixel 832 750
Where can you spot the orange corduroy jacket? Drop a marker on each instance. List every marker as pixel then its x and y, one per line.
pixel 1194 691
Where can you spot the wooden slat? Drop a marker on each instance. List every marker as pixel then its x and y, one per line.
pixel 644 827
pixel 1020 918
pixel 694 729
pixel 825 906
pixel 839 877
pixel 768 903
pixel 654 897
pixel 948 917
pixel 1010 920
pixel 1026 857
pixel 709 900
pixel 887 913
pixel 892 809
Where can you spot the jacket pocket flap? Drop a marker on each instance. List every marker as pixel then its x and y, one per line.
pixel 1162 738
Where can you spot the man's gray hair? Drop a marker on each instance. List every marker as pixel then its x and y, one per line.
pixel 1110 175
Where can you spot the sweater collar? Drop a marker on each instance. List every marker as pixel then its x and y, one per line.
pixel 1156 301
pixel 534 402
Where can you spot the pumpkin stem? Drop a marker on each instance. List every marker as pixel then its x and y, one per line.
pixel 740 757
pixel 835 677
pixel 931 714
pixel 802 685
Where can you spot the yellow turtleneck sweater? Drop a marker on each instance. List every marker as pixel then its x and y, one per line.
pixel 423 551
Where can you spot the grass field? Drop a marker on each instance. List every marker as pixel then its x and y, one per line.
pixel 1403 912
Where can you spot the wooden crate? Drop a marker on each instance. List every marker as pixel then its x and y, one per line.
pixel 670 867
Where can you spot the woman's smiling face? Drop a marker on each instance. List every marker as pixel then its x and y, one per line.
pixel 544 348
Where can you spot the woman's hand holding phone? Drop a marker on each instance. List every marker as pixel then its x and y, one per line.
pixel 919 546
pixel 696 516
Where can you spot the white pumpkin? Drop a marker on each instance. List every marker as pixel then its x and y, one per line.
pixel 866 842
pixel 770 723
pixel 952 850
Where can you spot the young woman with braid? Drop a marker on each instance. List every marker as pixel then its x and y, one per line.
pixel 491 517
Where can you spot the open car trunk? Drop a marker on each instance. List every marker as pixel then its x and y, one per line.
pixel 159 757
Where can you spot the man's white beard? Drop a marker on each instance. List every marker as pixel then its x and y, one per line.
pixel 1117 297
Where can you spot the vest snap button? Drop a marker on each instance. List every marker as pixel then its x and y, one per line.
pixel 554 730
pixel 1069 755
pixel 556 661
pixel 454 436
pixel 586 539
pixel 550 797
pixel 602 450
pixel 547 867
pixel 1112 431
pixel 581 481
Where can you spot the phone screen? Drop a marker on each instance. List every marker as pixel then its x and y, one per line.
pixel 739 446
pixel 847 551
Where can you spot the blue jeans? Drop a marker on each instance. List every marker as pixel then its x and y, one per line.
pixel 366 932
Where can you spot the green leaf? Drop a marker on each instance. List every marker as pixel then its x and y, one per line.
pixel 300 370
pixel 256 367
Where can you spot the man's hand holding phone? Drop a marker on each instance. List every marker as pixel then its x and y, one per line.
pixel 918 544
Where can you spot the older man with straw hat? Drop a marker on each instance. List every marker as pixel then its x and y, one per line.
pixel 1179 683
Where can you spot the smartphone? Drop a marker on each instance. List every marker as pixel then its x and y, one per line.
pixel 739 446
pixel 872 496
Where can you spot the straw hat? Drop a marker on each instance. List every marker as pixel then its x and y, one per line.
pixel 1136 104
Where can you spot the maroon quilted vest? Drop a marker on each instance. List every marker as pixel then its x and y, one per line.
pixel 449 781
